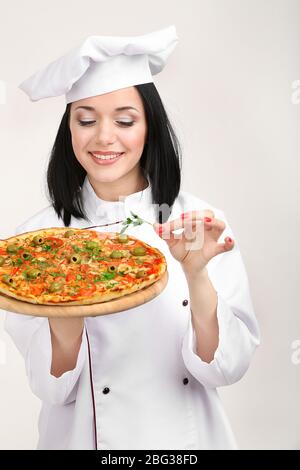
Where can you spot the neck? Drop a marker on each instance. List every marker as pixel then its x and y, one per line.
pixel 112 190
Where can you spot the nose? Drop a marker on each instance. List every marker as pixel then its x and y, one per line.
pixel 105 133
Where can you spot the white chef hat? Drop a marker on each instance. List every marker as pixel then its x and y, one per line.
pixel 102 64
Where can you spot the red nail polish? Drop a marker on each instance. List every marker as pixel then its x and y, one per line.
pixel 229 239
pixel 207 219
pixel 160 230
pixel 184 216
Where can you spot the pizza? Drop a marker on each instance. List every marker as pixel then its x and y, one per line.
pixel 72 266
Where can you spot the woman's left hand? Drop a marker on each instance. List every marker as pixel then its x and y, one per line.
pixel 198 243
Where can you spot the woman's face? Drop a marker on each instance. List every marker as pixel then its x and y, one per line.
pixel 105 128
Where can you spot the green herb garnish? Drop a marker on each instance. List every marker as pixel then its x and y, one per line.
pixel 56 274
pixel 105 276
pixel 136 220
pixel 77 249
pixel 47 247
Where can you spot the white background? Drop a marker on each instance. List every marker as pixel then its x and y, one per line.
pixel 228 90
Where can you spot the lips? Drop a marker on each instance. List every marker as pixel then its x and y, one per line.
pixel 106 155
pixel 105 160
pixel 98 152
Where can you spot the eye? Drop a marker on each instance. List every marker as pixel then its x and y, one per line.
pixel 123 123
pixel 126 123
pixel 85 123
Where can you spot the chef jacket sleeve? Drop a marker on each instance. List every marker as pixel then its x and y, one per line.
pixel 238 328
pixel 32 338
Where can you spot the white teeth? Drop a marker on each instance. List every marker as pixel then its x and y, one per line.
pixel 106 157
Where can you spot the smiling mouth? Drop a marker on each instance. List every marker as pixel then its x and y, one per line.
pixel 107 157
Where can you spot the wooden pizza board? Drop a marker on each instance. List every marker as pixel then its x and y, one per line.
pixel 60 311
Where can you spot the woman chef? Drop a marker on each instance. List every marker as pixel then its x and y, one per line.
pixel 144 378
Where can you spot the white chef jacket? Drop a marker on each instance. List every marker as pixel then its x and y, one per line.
pixel 138 382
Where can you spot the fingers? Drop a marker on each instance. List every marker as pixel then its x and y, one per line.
pixel 216 224
pixel 201 213
pixel 229 244
pixel 185 219
pixel 226 246
pixel 191 222
pixel 192 219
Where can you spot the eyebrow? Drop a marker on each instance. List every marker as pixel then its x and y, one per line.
pixel 122 108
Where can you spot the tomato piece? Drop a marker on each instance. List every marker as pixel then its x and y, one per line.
pixel 3 252
pixel 131 262
pixel 36 289
pixel 70 277
pixel 56 242
pixel 84 268
pixel 86 291
pixel 127 277
pixel 151 271
pixel 14 271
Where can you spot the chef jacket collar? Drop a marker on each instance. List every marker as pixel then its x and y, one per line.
pixel 98 210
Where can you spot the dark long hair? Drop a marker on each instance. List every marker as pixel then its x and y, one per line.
pixel 160 161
